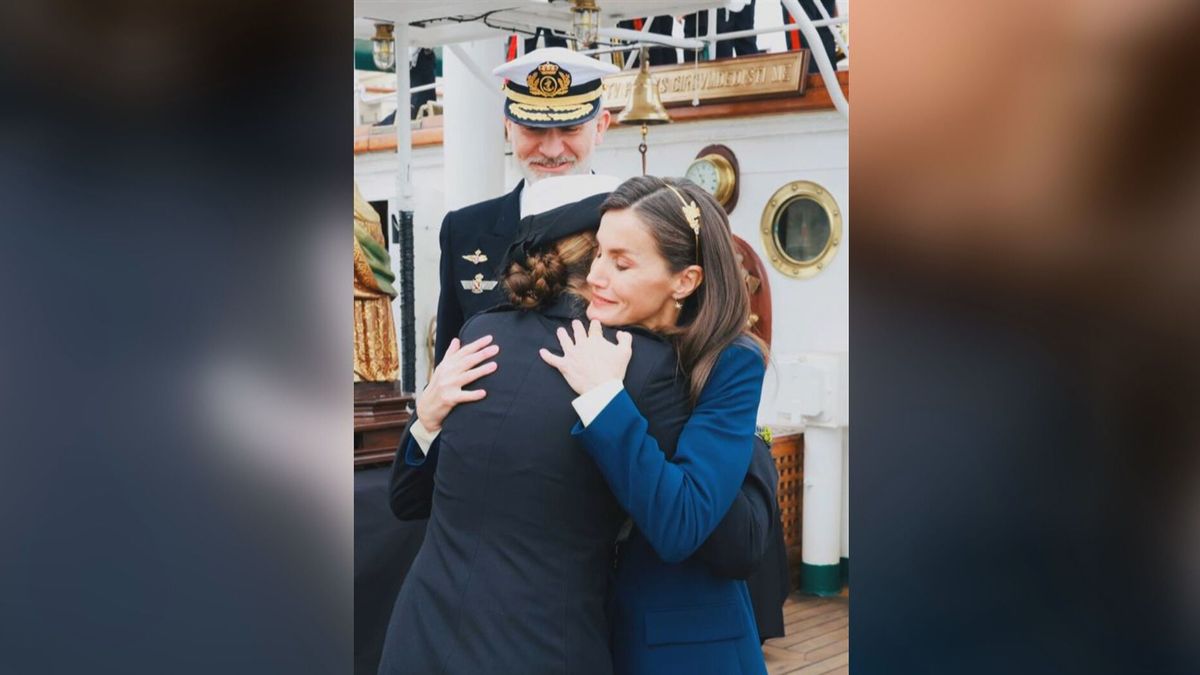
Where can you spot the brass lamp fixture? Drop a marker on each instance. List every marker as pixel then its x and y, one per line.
pixel 585 23
pixel 645 105
pixel 383 46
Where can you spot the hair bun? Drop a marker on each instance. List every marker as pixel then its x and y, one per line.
pixel 541 278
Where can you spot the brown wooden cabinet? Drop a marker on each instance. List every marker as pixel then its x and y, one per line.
pixel 381 412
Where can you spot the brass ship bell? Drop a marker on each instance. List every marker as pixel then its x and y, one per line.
pixel 645 105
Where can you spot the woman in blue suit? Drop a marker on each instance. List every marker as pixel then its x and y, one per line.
pixel 666 261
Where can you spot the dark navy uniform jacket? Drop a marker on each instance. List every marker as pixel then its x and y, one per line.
pixel 514 572
pixel 468 236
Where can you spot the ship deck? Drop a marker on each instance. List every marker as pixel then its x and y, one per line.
pixel 817 637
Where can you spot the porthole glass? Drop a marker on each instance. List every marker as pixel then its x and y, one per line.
pixel 801 228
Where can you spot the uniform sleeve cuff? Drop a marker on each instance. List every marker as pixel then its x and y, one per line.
pixel 590 404
pixel 422 436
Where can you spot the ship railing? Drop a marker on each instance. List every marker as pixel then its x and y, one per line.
pixel 803 23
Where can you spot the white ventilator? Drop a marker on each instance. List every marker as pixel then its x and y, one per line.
pixel 813 391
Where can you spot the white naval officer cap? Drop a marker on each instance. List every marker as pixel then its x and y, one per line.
pixel 552 87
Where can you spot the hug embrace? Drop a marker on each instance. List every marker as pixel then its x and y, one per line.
pixel 586 455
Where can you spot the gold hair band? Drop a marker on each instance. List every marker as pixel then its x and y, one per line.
pixel 692 213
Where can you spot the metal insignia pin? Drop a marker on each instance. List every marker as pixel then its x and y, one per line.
pixel 478 285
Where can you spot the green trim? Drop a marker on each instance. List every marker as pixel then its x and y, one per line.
pixel 820 580
pixel 365 60
pixel 844 565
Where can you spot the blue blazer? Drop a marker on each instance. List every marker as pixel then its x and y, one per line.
pixel 671 613
pixel 487 228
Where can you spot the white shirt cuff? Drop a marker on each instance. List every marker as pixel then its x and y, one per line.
pixel 422 436
pixel 591 403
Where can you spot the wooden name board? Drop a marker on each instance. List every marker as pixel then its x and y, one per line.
pixel 743 77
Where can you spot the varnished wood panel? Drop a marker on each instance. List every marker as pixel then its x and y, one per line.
pixel 760 296
pixel 788 451
pixel 381 412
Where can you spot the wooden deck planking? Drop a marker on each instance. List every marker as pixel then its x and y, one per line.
pixel 816 640
pixel 824 666
pixel 795 641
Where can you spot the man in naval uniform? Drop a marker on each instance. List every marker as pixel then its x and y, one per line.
pixel 554 119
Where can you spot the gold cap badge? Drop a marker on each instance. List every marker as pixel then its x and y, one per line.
pixel 548 80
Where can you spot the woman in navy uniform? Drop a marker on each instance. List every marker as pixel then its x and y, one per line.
pixel 513 574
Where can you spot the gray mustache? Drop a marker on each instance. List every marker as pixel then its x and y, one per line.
pixel 553 162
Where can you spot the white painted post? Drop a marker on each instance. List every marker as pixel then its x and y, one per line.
pixel 473 131
pixel 403 208
pixel 404 189
pixel 845 561
pixel 357 104
pixel 813 387
pixel 821 540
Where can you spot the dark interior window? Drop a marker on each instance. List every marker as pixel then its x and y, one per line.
pixel 802 230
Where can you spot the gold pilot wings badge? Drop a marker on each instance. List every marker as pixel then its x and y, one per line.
pixel 476 257
pixel 478 284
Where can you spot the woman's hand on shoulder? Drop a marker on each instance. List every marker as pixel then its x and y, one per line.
pixel 589 359
pixel 459 367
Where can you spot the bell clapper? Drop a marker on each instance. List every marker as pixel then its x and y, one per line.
pixel 642 147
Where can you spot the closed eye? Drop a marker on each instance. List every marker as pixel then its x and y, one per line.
pixel 619 263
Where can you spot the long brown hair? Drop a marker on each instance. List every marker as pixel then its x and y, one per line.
pixel 549 271
pixel 718 312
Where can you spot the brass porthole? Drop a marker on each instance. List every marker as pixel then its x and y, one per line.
pixel 801 229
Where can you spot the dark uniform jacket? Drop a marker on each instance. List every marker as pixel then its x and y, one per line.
pixel 514 572
pixel 473 240
pixel 768 583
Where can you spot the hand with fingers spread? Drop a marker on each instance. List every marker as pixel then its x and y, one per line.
pixel 459 367
pixel 589 359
